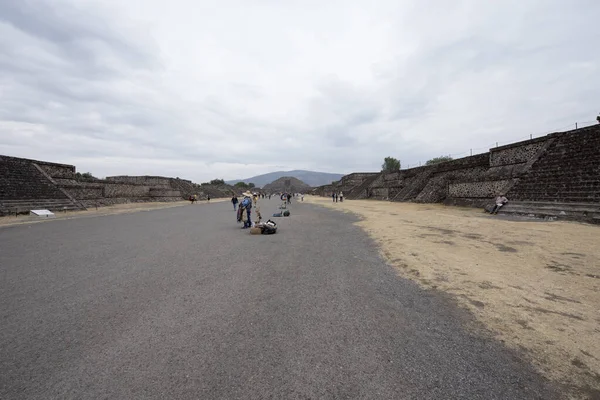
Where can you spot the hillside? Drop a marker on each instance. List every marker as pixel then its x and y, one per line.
pixel 287 184
pixel 310 178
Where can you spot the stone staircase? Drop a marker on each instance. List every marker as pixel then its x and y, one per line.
pixel 413 184
pixel 360 191
pixel 23 187
pixel 568 172
pixel 587 212
pixel 12 207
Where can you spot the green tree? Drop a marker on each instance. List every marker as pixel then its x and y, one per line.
pixel 217 182
pixel 251 185
pixel 86 176
pixel 241 185
pixel 390 164
pixel 438 160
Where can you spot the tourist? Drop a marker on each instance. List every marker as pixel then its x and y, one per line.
pixel 341 196
pixel 500 201
pixel 289 198
pixel 234 200
pixel 191 199
pixel 208 198
pixel 246 205
pixel 302 196
pixel 333 197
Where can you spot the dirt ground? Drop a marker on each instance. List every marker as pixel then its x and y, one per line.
pixel 534 285
pixel 93 212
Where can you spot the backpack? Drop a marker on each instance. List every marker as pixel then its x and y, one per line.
pixel 269 228
pixel 286 213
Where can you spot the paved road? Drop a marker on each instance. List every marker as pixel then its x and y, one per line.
pixel 181 304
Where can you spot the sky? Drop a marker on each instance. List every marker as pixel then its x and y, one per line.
pixel 233 88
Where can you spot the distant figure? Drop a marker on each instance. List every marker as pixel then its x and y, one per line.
pixel 208 198
pixel 289 198
pixel 500 201
pixel 234 200
pixel 302 197
pixel 195 198
pixel 333 197
pixel 341 196
pixel 191 199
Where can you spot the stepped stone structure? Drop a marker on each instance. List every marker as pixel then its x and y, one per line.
pixel 29 184
pixel 287 184
pixel 556 176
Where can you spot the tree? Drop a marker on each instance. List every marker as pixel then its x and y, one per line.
pixel 241 185
pixel 390 164
pixel 251 185
pixel 86 176
pixel 217 182
pixel 438 160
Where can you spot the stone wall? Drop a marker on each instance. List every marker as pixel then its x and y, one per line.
pixel 57 170
pixel 568 170
pixel 563 166
pixel 482 189
pixel 516 153
pixel 26 182
pixel 20 180
pixel 143 180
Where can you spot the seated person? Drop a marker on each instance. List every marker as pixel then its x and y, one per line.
pixel 500 201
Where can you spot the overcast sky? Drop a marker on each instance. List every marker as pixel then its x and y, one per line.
pixel 230 89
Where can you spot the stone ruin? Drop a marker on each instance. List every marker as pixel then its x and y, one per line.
pixel 29 184
pixel 554 176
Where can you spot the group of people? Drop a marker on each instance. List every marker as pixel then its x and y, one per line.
pixel 287 197
pixel 244 212
pixel 194 198
pixel 335 196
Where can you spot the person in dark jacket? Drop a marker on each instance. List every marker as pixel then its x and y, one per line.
pixel 234 201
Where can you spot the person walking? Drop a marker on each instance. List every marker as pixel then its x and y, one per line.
pixel 341 196
pixel 234 200
pixel 333 197
pixel 336 197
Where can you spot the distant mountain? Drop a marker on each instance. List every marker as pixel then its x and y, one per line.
pixel 287 184
pixel 311 178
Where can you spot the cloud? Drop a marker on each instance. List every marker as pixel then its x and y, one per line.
pixel 199 91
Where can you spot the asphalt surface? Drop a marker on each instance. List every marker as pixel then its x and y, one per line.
pixel 181 304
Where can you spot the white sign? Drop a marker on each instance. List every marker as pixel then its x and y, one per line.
pixel 43 213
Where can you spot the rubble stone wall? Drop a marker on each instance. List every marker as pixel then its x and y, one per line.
pixel 563 166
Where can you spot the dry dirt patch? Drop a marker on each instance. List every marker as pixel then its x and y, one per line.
pixel 535 285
